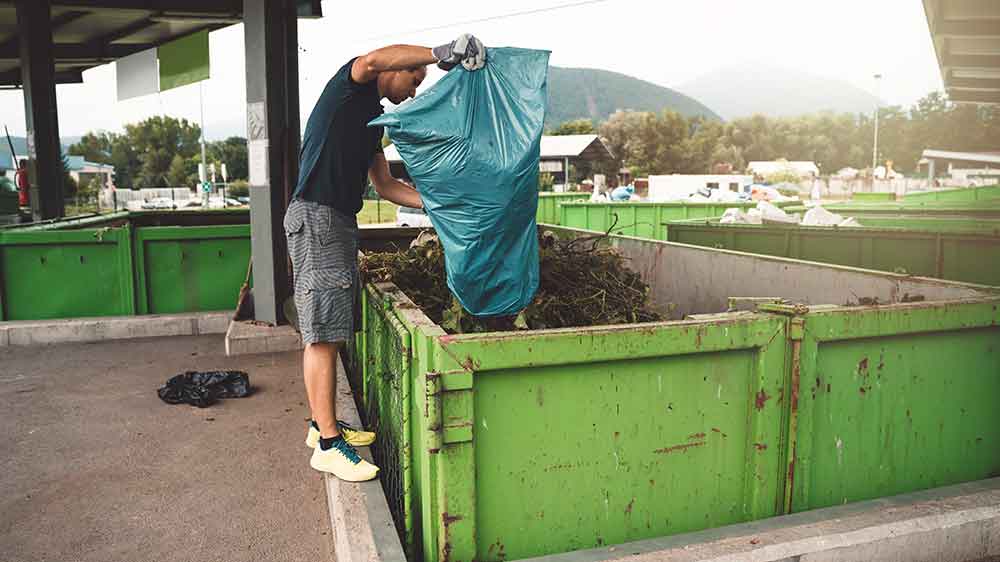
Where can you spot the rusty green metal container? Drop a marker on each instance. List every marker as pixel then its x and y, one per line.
pixel 124 264
pixel 989 208
pixel 960 194
pixel 510 445
pixel 917 249
pixel 549 203
pixel 66 274
pixel 641 218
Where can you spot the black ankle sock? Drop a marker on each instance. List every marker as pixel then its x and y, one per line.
pixel 326 443
pixel 314 424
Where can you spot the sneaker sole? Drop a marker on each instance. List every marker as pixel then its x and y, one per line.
pixel 345 479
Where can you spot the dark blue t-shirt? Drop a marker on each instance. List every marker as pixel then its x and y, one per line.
pixel 338 146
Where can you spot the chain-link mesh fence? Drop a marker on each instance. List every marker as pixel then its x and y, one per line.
pixel 387 357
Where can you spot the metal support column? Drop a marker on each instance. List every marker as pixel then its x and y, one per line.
pixel 271 38
pixel 45 169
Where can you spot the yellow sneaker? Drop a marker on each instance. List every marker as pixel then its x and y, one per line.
pixel 343 461
pixel 356 437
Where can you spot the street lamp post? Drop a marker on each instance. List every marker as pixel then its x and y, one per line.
pixel 878 77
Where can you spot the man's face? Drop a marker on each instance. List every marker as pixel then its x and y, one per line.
pixel 403 84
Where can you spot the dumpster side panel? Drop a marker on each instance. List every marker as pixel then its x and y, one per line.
pixel 973 259
pixel 960 194
pixel 989 227
pixel 187 269
pixel 603 436
pixel 646 222
pixel 598 217
pixel 575 215
pixel 65 274
pixel 902 253
pixel 979 209
pixel 549 204
pixel 958 256
pixel 546 210
pixel 896 400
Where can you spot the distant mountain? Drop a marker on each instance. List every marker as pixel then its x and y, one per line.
pixel 21 143
pixel 587 93
pixel 742 90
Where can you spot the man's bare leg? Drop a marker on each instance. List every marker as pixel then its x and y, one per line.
pixel 319 365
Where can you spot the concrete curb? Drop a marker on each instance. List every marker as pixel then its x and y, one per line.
pixel 94 329
pixel 363 530
pixel 247 337
pixel 954 523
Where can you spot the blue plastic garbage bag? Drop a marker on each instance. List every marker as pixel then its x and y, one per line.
pixel 622 193
pixel 471 145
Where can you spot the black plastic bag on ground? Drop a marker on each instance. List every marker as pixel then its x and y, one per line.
pixel 203 389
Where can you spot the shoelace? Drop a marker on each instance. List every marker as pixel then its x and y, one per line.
pixel 344 425
pixel 347 450
pixel 340 425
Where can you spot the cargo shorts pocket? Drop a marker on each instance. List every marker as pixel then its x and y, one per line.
pixel 325 278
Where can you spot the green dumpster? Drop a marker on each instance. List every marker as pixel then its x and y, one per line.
pixel 978 209
pixel 549 203
pixel 984 193
pixel 916 249
pixel 190 268
pixel 986 226
pixel 642 218
pixel 124 263
pixel 65 274
pixel 509 445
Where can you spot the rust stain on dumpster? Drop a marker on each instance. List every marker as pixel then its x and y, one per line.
pixel 761 398
pixel 681 447
pixel 696 436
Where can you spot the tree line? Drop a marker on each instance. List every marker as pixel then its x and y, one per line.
pixel 161 151
pixel 667 142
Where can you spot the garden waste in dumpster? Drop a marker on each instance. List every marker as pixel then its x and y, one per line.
pixel 583 283
pixel 507 445
pixel 471 144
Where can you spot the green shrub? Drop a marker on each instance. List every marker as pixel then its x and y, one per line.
pixel 238 188
pixel 545 181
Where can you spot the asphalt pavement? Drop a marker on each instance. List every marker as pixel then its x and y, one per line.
pixel 94 467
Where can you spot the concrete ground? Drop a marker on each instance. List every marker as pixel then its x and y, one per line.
pixel 94 467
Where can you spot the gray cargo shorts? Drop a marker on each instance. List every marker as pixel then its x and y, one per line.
pixel 323 245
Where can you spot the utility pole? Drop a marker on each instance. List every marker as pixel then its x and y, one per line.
pixel 878 92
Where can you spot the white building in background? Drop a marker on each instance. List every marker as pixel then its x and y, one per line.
pixel 557 154
pixel 679 186
pixel 801 168
pixel 968 168
pixel 83 171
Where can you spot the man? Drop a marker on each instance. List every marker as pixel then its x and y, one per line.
pixel 338 151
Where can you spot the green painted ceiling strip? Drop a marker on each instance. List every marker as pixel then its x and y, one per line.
pixel 184 61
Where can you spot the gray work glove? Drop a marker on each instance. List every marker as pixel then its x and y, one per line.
pixel 466 50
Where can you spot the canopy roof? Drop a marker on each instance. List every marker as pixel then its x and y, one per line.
pixel 966 35
pixel 89 33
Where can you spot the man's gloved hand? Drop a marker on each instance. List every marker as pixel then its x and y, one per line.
pixel 466 50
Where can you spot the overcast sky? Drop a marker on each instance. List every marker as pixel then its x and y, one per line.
pixel 667 42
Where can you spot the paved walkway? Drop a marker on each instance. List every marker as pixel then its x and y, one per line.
pixel 94 467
